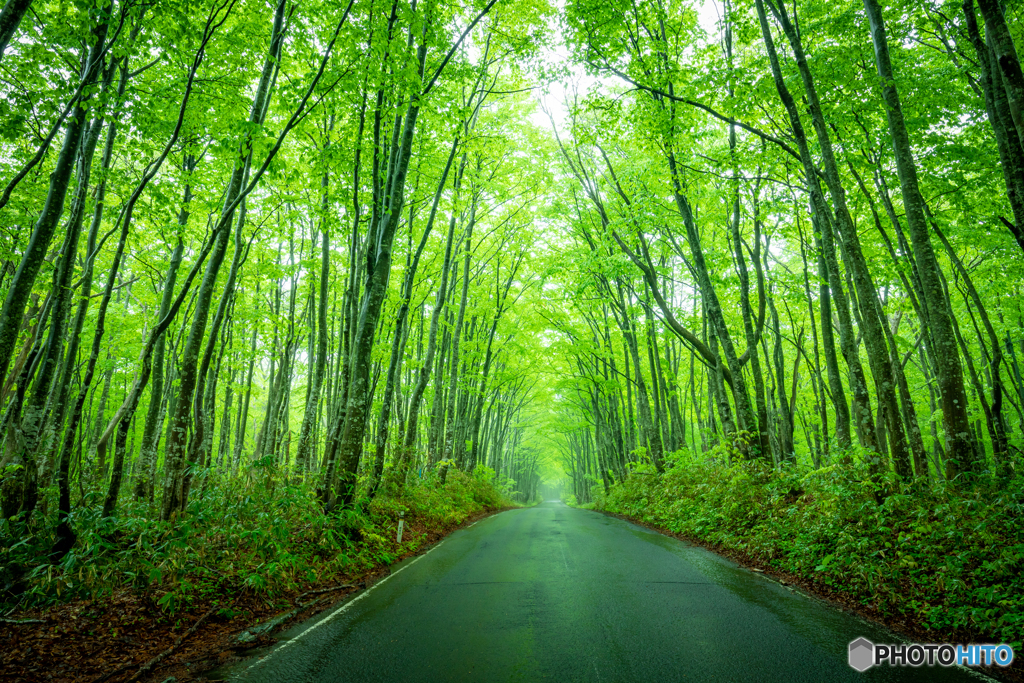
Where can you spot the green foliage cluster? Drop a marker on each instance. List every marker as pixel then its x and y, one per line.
pixel 950 559
pixel 264 535
pixel 462 496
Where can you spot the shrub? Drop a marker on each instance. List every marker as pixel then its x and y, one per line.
pixel 264 535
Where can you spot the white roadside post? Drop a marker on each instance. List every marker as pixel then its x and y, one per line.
pixel 401 525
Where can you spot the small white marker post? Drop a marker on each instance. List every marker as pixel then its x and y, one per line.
pixel 401 525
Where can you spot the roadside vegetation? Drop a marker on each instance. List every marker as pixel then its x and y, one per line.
pixel 945 560
pixel 141 597
pixel 264 535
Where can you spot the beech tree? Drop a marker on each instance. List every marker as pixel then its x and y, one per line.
pixel 342 252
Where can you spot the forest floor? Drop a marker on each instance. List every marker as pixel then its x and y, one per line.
pixel 126 637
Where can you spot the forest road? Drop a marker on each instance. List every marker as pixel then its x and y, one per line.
pixel 561 594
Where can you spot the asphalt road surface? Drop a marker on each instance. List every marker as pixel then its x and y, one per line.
pixel 552 593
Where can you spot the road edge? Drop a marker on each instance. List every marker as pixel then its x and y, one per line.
pixel 909 630
pixel 229 655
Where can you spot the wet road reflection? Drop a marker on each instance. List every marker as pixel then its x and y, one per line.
pixel 561 594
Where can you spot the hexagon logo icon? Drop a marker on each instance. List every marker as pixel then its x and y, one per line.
pixel 862 654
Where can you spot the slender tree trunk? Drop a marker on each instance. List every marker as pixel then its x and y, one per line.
pixel 224 446
pixel 994 411
pixel 761 442
pixel 401 467
pixel 305 445
pixel 448 432
pixel 10 17
pixel 871 314
pixel 835 382
pixel 144 485
pixel 342 483
pixel 27 440
pixel 953 397
pixel 822 219
pixel 400 335
pixel 24 277
pixel 1005 57
pixel 243 415
pixel 175 491
pixel 997 106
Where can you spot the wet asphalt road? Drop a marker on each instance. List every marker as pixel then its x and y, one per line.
pixel 561 594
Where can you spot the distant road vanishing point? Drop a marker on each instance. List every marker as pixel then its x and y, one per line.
pixel 553 593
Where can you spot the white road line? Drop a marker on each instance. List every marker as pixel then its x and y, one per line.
pixel 288 643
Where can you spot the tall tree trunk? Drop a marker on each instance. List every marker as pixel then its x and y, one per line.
pixel 74 338
pixel 871 313
pixel 379 253
pixel 24 277
pixel 343 484
pixel 10 17
pixel 27 440
pixel 961 455
pixel 305 445
pixel 144 483
pixel 448 430
pixel 203 407
pixel 996 421
pixel 822 220
pixel 404 459
pixel 760 437
pixel 400 334
pixel 652 437
pixel 243 406
pixel 997 106
pixel 835 382
pixel 175 490
pixel 745 419
pixel 1005 57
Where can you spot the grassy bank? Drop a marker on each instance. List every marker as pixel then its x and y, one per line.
pixel 244 553
pixel 948 562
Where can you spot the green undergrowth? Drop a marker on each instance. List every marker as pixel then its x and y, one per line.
pixel 950 559
pixel 259 535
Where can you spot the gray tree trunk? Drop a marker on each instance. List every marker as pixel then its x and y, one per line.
pixel 961 454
